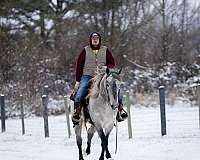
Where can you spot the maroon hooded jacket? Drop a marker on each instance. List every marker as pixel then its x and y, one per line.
pixel 110 62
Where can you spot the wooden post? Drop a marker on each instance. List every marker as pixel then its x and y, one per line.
pixel 3 115
pixel 198 94
pixel 45 115
pixel 22 114
pixel 67 116
pixel 162 110
pixel 129 115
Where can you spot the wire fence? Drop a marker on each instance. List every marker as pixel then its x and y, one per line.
pixel 143 122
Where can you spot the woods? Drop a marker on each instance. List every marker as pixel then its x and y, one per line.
pixel 41 39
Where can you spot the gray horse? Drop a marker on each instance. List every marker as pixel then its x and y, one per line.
pixel 102 107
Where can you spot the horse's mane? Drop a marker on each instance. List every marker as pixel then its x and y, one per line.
pixel 94 89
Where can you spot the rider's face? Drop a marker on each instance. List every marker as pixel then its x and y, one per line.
pixel 95 40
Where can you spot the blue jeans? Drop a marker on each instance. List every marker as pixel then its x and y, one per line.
pixel 83 91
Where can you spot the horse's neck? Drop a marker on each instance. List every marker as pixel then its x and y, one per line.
pixel 100 98
pixel 102 90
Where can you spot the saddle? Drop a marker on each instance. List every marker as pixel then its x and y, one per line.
pixel 73 94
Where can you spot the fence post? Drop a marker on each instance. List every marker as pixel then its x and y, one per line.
pixel 22 114
pixel 67 116
pixel 198 94
pixel 46 90
pixel 3 115
pixel 128 104
pixel 162 110
pixel 45 115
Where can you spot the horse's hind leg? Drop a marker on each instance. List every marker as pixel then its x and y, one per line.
pixel 90 134
pixel 78 129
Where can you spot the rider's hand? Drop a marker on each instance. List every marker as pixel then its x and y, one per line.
pixel 75 89
pixel 76 86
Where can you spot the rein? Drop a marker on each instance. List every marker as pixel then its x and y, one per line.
pixel 113 108
pixel 108 96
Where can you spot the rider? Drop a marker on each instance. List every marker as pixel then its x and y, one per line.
pixel 90 57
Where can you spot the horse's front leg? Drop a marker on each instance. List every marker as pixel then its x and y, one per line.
pixel 90 134
pixel 108 131
pixel 108 155
pixel 78 129
pixel 104 143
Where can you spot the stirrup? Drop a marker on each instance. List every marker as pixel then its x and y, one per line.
pixel 124 114
pixel 121 116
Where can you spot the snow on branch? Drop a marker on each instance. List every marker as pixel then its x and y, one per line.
pixel 134 63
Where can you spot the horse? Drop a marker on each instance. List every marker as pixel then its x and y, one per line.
pixel 102 109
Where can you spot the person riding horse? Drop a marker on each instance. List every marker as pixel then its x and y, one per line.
pixel 91 57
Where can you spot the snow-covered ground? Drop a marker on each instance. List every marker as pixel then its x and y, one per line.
pixel 182 141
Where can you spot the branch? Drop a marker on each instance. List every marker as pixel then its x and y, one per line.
pixel 135 64
pixel 54 7
pixel 67 8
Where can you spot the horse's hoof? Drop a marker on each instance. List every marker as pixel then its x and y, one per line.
pixel 87 151
pixel 101 158
pixel 81 158
pixel 108 156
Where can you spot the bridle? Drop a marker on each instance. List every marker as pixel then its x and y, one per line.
pixel 108 96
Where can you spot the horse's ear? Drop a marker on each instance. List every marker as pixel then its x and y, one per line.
pixel 120 70
pixel 107 70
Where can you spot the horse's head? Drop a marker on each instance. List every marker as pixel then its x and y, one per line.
pixel 112 85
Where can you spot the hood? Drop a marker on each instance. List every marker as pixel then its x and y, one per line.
pixel 90 40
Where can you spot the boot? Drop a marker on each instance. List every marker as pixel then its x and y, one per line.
pixel 121 114
pixel 76 115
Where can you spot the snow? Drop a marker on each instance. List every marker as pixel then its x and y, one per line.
pixel 48 24
pixel 182 141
